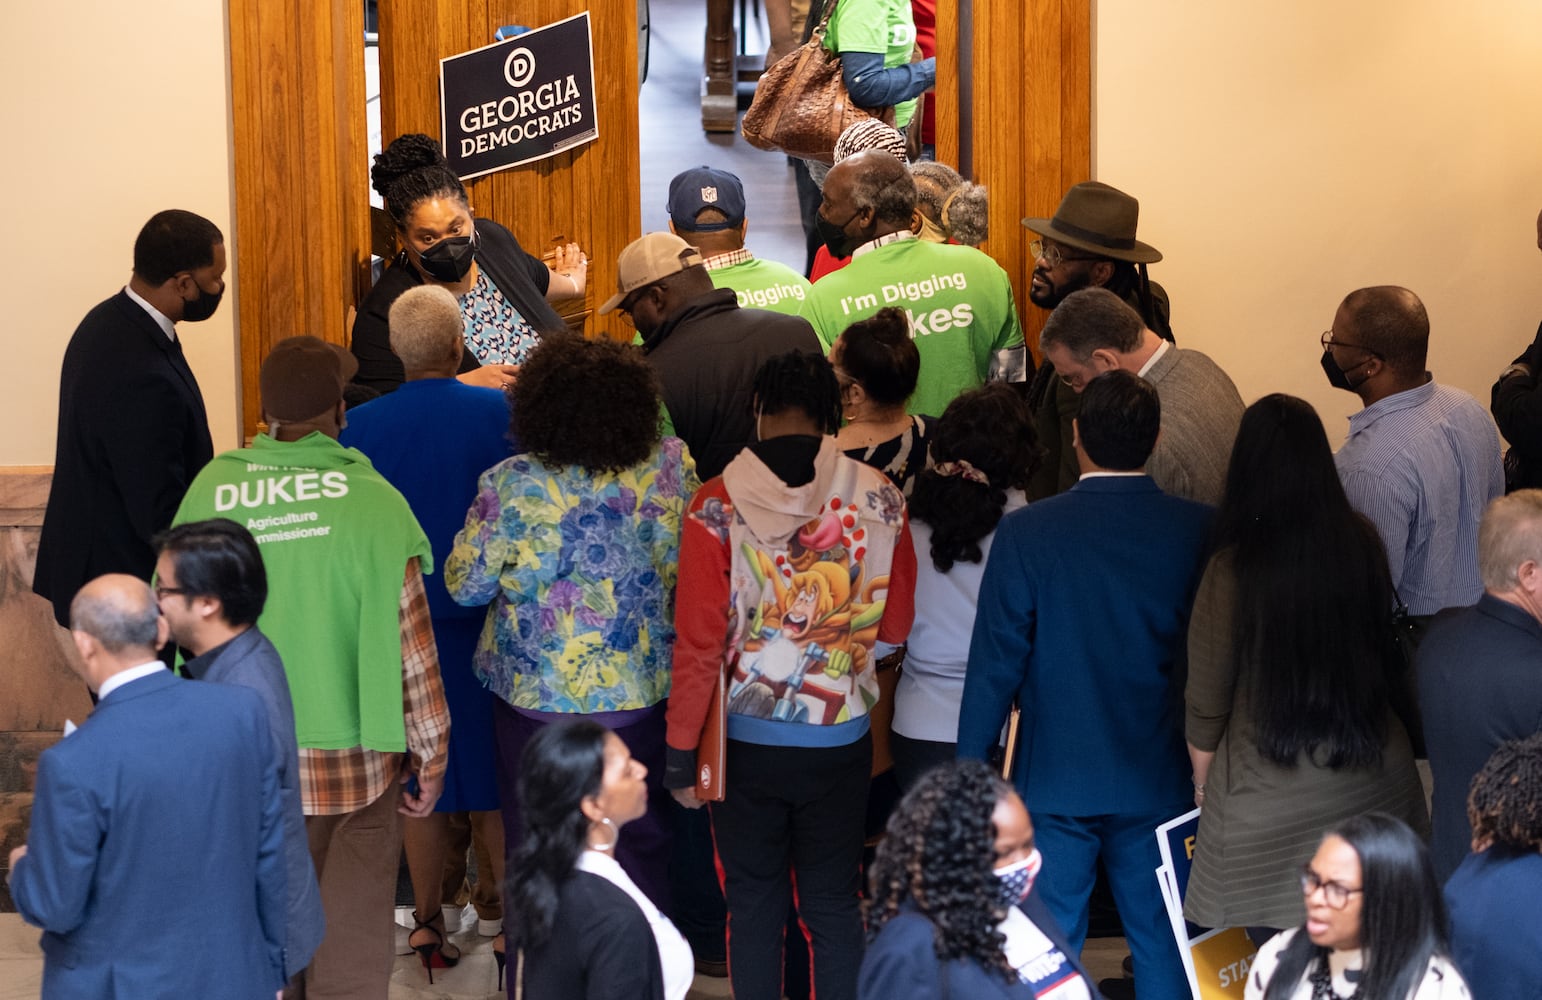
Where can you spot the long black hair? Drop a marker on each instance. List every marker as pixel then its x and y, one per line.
pixel 1402 914
pixel 992 429
pixel 562 765
pixel 938 854
pixel 1314 596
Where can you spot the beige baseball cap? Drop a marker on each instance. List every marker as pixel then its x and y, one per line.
pixel 649 258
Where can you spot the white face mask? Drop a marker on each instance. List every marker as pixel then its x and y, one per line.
pixel 1016 879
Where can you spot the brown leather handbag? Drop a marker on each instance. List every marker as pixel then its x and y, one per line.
pixel 801 105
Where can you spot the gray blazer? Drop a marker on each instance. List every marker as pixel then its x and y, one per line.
pixel 1200 413
pixel 251 661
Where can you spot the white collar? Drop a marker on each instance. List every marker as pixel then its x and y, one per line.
pixel 128 676
pixel 160 318
pixel 882 241
pixel 1108 475
pixel 1161 350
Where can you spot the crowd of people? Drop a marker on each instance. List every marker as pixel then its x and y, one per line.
pixel 484 585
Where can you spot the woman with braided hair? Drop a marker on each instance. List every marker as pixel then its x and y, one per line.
pixel 951 910
pixel 1495 897
pixel 502 290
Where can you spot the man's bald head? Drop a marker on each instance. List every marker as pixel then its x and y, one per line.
pixel 1389 321
pixel 873 179
pixel 119 612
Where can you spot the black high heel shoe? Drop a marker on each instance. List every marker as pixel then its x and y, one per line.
pixel 433 955
pixel 500 957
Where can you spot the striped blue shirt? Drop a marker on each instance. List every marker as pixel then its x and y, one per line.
pixel 1422 465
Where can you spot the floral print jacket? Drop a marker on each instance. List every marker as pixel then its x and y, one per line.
pixel 580 568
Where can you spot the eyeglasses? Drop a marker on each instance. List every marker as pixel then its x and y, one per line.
pixel 161 592
pixel 1053 255
pixel 1333 893
pixel 1327 342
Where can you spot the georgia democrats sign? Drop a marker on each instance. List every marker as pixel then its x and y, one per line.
pixel 518 101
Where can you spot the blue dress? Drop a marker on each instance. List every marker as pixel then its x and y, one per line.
pixel 432 439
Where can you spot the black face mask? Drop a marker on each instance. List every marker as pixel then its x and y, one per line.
pixel 202 307
pixel 835 239
pixel 450 259
pixel 1337 377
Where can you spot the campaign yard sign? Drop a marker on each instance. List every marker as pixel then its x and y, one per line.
pixel 1216 960
pixel 518 101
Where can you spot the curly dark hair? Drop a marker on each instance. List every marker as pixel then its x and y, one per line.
pixel 938 853
pixel 992 429
pixel 800 380
pixel 590 403
pixel 563 764
pixel 410 170
pixel 1505 801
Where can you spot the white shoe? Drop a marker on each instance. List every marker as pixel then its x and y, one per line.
pixel 452 919
pixel 489 928
pixel 402 937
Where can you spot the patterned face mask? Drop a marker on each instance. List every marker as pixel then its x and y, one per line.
pixel 1015 881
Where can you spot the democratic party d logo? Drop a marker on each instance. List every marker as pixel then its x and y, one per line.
pixel 519 67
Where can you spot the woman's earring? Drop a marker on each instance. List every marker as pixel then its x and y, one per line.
pixel 615 835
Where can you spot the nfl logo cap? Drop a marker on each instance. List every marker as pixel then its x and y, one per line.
pixel 704 187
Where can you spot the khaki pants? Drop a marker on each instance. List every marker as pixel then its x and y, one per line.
pixel 468 830
pixel 356 857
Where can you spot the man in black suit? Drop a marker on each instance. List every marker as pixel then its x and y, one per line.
pixel 132 426
pixel 1480 669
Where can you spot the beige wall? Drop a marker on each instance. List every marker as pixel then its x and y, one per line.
pixel 1285 155
pixel 112 111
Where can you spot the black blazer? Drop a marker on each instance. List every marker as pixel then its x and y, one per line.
pixel 521 278
pixel 601 948
pixel 132 434
pixel 1480 684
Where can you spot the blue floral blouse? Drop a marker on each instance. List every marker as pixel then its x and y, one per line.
pixel 580 568
pixel 496 333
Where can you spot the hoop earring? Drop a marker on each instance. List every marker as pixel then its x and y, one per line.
pixel 615 835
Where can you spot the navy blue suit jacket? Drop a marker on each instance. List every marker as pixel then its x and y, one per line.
pixel 1480 684
pixel 132 435
pixel 901 964
pixel 155 859
pixel 1082 617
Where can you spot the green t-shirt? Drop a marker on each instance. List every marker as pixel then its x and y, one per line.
pixel 885 26
pixel 959 302
pixel 335 538
pixel 763 284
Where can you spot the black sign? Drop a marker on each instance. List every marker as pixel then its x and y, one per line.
pixel 518 101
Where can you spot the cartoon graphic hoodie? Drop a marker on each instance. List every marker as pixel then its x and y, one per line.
pixel 790 589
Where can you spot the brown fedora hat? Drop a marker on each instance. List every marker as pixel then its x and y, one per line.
pixel 1099 219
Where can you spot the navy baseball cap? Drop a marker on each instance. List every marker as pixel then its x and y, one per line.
pixel 693 190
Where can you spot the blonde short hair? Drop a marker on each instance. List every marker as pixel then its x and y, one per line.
pixel 1511 533
pixel 427 330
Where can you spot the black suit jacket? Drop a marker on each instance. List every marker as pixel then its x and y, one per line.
pixel 601 947
pixel 132 434
pixel 1480 684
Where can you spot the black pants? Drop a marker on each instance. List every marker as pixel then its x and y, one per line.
pixel 792 823
pixel 913 758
